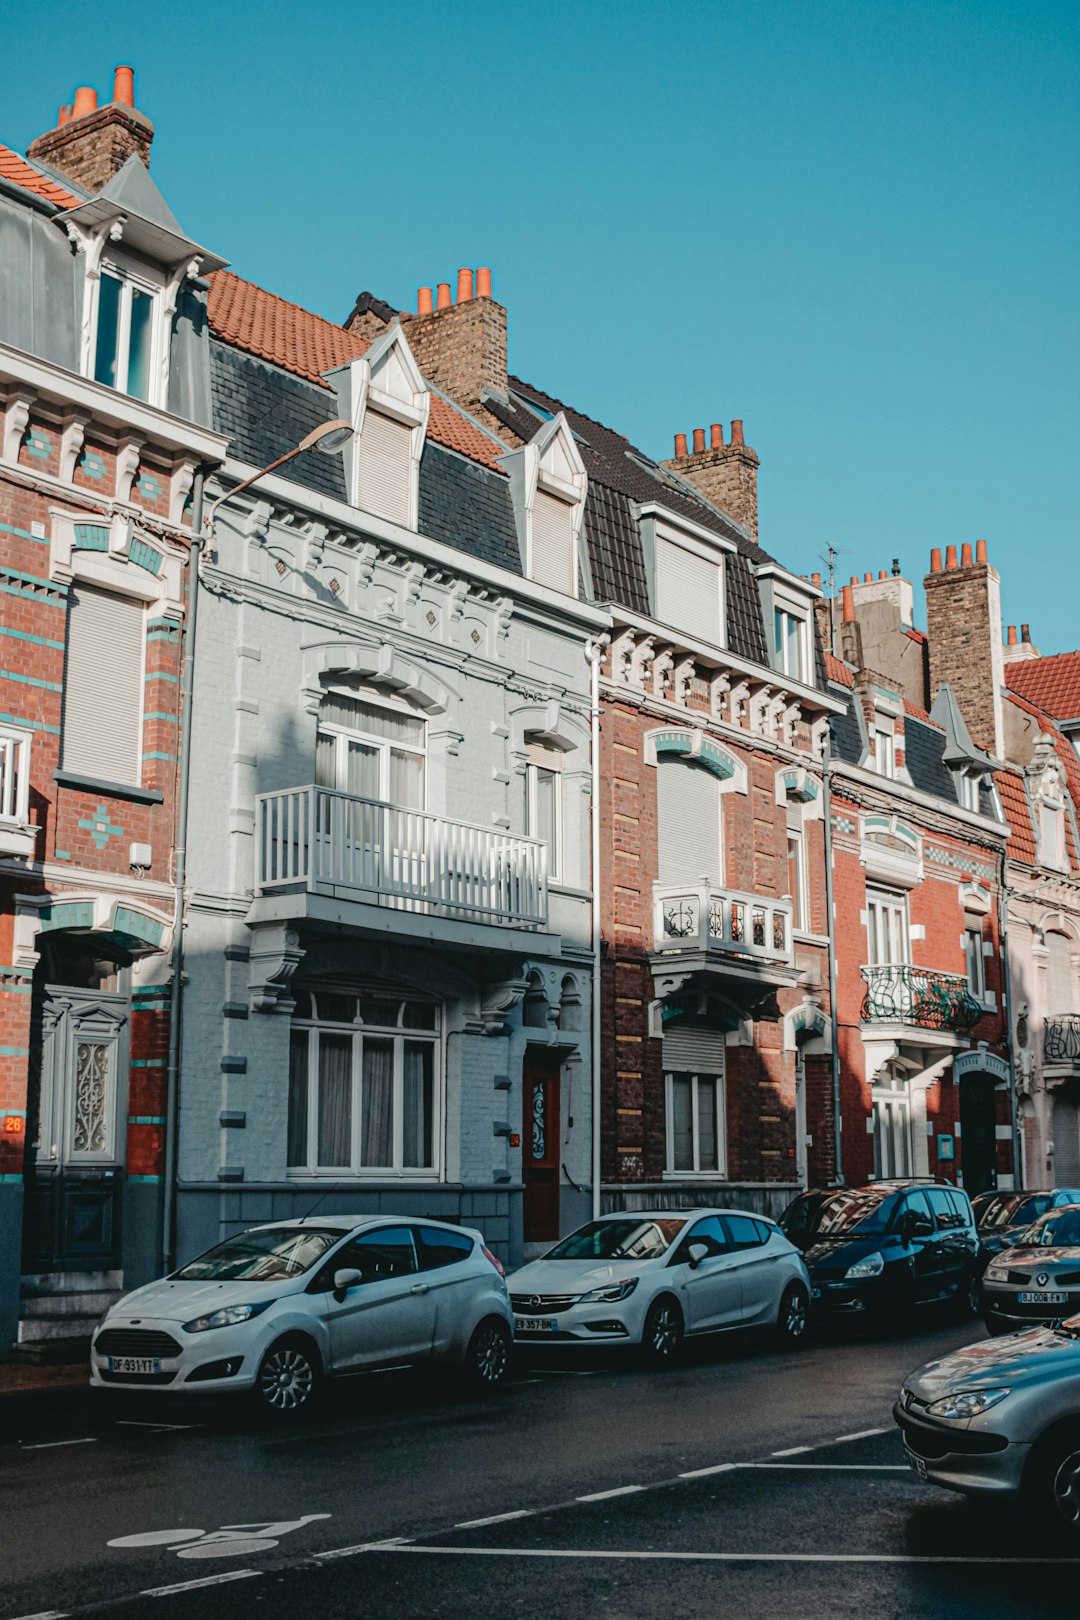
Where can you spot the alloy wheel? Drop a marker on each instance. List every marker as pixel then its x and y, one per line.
pixel 1067 1489
pixel 794 1317
pixel 663 1331
pixel 286 1378
pixel 491 1354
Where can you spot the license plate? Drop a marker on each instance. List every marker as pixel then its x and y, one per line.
pixel 1043 1298
pixel 535 1324
pixel 917 1464
pixel 134 1364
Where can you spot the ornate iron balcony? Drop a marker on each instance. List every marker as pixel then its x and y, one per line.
pixel 1061 1038
pixel 897 993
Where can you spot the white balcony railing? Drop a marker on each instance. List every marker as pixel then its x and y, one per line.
pixel 706 917
pixel 336 843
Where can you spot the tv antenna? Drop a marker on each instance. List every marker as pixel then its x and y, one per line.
pixel 828 557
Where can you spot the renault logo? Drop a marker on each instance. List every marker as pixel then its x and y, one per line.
pixel 1043 1278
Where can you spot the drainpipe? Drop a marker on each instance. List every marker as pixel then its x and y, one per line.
pixel 1006 979
pixel 596 649
pixel 172 1105
pixel 830 911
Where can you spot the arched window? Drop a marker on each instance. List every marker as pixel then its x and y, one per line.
pixel 372 747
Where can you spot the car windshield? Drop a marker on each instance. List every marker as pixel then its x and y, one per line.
pixel 1061 1230
pixel 835 1214
pixel 1010 1209
pixel 269 1254
pixel 618 1240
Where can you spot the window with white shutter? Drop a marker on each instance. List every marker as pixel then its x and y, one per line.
pixel 385 453
pixel 103 682
pixel 688 823
pixel 1059 974
pixel 553 559
pixel 688 591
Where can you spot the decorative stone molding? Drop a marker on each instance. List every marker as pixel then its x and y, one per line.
pixel 374 663
pixel 276 952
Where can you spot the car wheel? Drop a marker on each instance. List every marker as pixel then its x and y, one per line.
pixel 1054 1482
pixel 488 1356
pixel 971 1295
pixel 289 1378
pixel 794 1314
pixel 662 1336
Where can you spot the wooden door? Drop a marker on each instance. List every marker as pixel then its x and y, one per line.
pixel 541 1136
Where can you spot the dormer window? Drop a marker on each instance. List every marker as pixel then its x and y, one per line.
pixel 127 335
pixel 553 552
pixel 690 590
pixel 790 641
pixel 547 486
pixel 967 790
pixel 884 745
pixel 1052 834
pixel 787 604
pixel 386 398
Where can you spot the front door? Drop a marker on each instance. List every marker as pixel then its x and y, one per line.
pixel 77 1138
pixel 541 1135
pixel 978 1134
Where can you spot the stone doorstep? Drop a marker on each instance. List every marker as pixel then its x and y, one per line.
pixel 38 1307
pixel 71 1282
pixel 35 1330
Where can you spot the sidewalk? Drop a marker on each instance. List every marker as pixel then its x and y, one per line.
pixel 23 1378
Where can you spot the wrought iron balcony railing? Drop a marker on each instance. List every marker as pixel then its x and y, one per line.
pixel 337 843
pixel 701 917
pixel 897 993
pixel 1061 1038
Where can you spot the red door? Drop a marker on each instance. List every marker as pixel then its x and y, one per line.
pixel 540 1158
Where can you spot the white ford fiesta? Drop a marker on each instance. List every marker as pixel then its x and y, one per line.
pixel 277 1309
pixel 653 1278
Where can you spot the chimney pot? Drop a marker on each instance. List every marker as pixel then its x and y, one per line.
pixel 966 558
pixel 680 445
pixel 935 560
pixel 124 86
pixel 716 436
pixel 424 303
pixel 483 283
pixel 849 605
pixel 1025 632
pixel 699 441
pixel 736 431
pixel 1011 635
pixel 464 286
pixel 63 116
pixel 442 297
pixel 815 579
pixel 882 574
pixel 867 578
pixel 950 557
pixel 85 101
pixel 980 552
pixel 854 579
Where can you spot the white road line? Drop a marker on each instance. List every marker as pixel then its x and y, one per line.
pixel 364 1546
pixel 836 1468
pixel 47 1445
pixel 860 1434
pixel 791 1451
pixel 207 1580
pixel 495 1518
pixel 700 1473
pixel 159 1428
pixel 44 1614
pixel 721 1557
pixel 604 1496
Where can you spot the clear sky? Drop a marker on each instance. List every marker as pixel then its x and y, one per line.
pixel 853 223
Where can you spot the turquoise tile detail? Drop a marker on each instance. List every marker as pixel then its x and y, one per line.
pixel 101 827
pixel 68 914
pixel 32 725
pixel 62 854
pixel 154 714
pixel 147 1119
pixel 148 1063
pixel 160 675
pixel 159 756
pixel 129 1178
pixel 136 926
pixel 144 556
pixel 148 486
pixel 91 464
pixel 23 534
pixel 91 537
pixel 30 680
pixel 14 1051
pixel 38 444
pixel 24 635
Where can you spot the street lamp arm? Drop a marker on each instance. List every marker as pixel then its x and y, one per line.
pixel 328 437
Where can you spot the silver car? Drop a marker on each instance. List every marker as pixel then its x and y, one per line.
pixel 1037 1279
pixel 999 1417
pixel 277 1309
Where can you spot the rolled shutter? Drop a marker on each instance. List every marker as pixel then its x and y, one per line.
pixel 385 467
pixel 1059 974
pixel 103 685
pixel 692 1050
pixel 553 560
pixel 687 591
pixel 688 823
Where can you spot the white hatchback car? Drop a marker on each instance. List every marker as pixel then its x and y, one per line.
pixel 650 1279
pixel 276 1309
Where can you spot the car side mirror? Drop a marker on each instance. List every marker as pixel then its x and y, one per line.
pixel 345 1279
pixel 919 1226
pixel 696 1253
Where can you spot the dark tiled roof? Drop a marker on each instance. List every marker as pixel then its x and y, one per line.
pixel 265 411
pixel 467 507
pixel 845 733
pixel 366 302
pixel 618 567
pixel 923 747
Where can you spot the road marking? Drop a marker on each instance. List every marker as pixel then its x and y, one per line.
pixel 860 1434
pixel 44 1614
pixel 791 1451
pixel 718 1557
pixel 207 1580
pixel 363 1547
pixel 158 1428
pixel 700 1473
pixel 494 1518
pixel 840 1468
pixel 604 1496
pixel 47 1445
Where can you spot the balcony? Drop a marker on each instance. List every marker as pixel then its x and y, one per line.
pixel 1061 1039
pixel 705 918
pixel 318 841
pixel 897 993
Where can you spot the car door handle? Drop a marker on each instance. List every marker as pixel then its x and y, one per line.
pixel 419 1288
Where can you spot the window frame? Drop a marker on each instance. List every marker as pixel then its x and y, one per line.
pixel 800 890
pixel 884 760
pixel 343 735
pixel 142 278
pixel 785 610
pixel 15 746
pixel 552 765
pixel 74 767
pixel 719 1082
pixel 881 904
pixel 973 955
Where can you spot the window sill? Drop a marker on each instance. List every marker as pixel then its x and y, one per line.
pixel 695 1175
pixel 17 838
pixel 113 790
pixel 359 1178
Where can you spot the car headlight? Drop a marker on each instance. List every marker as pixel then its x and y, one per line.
pixel 610 1292
pixel 872 1266
pixel 968 1403
pixel 228 1316
pixel 996 1270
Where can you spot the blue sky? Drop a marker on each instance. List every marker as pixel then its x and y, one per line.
pixel 855 225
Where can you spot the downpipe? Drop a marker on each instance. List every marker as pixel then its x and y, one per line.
pixel 596 650
pixel 830 907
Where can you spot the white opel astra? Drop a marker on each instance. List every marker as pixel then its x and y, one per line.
pixel 277 1309
pixel 653 1278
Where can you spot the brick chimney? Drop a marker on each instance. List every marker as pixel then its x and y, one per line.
pixel 460 346
pixel 726 474
pixel 90 143
pixel 963 624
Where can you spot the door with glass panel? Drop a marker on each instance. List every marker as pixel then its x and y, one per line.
pixel 888 941
pixel 370 829
pixel 892 1129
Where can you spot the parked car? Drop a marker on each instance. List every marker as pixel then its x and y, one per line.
pixel 652 1279
pixel 1038 1278
pixel 999 1417
pixel 881 1250
pixel 279 1308
pixel 1002 1218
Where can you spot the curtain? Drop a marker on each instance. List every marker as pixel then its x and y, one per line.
pixel 682 1122
pixel 377 1104
pixel 298 1098
pixel 406 787
pixel 707 1159
pixel 417 1110
pixel 335 1099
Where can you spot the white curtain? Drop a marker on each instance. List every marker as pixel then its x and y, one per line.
pixel 418 1091
pixel 335 1099
pixel 377 1104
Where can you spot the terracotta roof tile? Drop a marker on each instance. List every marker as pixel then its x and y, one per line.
pixel 1053 683
pixel 21 173
pixel 1021 846
pixel 248 317
pixel 920 714
pixel 838 671
pixel 917 635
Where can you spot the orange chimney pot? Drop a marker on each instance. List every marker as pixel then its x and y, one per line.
pixel 849 605
pixel 464 286
pixel 980 552
pixel 424 301
pixel 442 297
pixel 815 579
pixel 935 560
pixel 736 431
pixel 680 444
pixel 882 574
pixel 950 557
pixel 85 101
pixel 966 558
pixel 124 86
pixel 1025 632
pixel 699 441
pixel 1011 637
pixel 716 436
pixel 483 283
pixel 63 116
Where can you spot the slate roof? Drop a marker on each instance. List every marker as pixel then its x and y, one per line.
pixel 925 742
pixel 265 411
pixel 467 507
pixel 1052 682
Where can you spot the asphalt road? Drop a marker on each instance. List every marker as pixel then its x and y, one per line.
pixel 748 1481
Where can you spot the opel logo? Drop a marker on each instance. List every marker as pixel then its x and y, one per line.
pixel 1043 1278
pixel 535 1301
